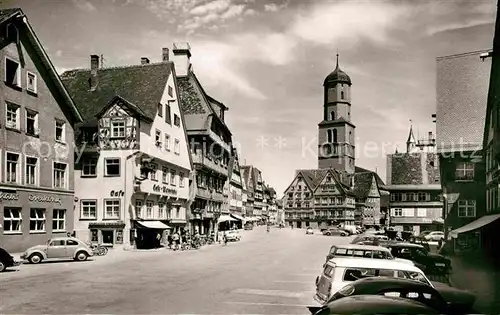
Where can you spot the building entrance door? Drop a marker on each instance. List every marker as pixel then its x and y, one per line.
pixel 108 237
pixel 299 224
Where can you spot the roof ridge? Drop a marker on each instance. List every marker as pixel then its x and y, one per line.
pixel 119 67
pixel 475 52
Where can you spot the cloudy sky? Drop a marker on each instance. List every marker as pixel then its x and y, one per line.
pixel 266 60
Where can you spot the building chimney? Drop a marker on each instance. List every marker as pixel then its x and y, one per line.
pixel 94 66
pixel 165 54
pixel 144 61
pixel 181 59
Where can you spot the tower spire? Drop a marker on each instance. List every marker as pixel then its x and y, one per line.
pixel 410 143
pixel 337 59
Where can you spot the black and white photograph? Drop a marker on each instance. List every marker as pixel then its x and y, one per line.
pixel 263 157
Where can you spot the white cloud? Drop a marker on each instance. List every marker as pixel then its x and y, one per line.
pixel 211 7
pixel 84 5
pixel 235 10
pixel 347 21
pixel 250 12
pixel 458 25
pixel 216 63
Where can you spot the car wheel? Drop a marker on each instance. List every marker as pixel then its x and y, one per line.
pixel 328 234
pixel 343 234
pixel 81 256
pixel 35 258
pixel 2 266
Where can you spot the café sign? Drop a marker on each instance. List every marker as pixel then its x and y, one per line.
pixel 117 193
pixel 164 189
pixel 8 196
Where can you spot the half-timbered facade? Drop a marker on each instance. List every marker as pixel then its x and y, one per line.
pixel 319 198
pixel 36 132
pixel 133 164
pixel 235 188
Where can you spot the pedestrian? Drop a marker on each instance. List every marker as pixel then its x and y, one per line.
pixel 224 237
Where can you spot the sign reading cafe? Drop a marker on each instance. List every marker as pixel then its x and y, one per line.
pixel 164 189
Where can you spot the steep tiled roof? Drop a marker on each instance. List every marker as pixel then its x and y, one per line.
pixel 15 15
pixel 362 184
pixel 141 85
pixel 413 168
pixel 461 96
pixel 313 177
pixel 380 182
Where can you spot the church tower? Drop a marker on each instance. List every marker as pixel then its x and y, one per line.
pixel 411 143
pixel 336 131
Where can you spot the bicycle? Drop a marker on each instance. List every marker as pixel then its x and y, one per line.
pixel 98 249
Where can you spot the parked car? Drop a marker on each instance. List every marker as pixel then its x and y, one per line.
pixel 233 236
pixel 371 305
pixel 6 260
pixel 58 248
pixel 338 272
pixel 434 263
pixel 435 236
pixel 309 230
pixel 248 226
pixel 420 241
pixel 335 231
pixel 371 239
pixel 363 251
pixel 437 297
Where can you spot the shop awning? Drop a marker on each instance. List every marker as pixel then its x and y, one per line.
pixel 154 225
pixel 225 218
pixel 237 217
pixel 482 221
pixel 438 221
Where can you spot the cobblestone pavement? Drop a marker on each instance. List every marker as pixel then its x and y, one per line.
pixel 264 273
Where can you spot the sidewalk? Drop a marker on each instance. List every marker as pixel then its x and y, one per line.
pixel 479 277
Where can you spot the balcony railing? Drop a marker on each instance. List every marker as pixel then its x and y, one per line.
pixel 218 167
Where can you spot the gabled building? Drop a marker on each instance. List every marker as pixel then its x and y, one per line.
pixel 132 174
pixel 247 193
pixel 210 143
pixel 254 190
pixel 367 198
pixel 461 92
pixel 271 204
pixel 319 198
pixel 413 181
pixel 36 153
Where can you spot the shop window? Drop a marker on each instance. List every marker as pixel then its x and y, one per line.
pixel 119 236
pixel 118 128
pixel 59 220
pixel 60 175
pixel 112 208
pixel 94 236
pixel 112 167
pixel 60 131
pixel 12 220
pixel 31 171
pixel 89 167
pixel 12 167
pixel 32 123
pixel 89 209
pixel 37 220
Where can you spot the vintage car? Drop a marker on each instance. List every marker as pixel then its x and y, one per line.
pixel 371 305
pixel 340 271
pixel 58 248
pixel 335 231
pixel 309 230
pixel 435 236
pixel 6 260
pixel 363 251
pixel 232 236
pixel 420 241
pixel 437 297
pixel 431 263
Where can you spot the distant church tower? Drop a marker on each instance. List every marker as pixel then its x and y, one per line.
pixel 411 144
pixel 336 131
